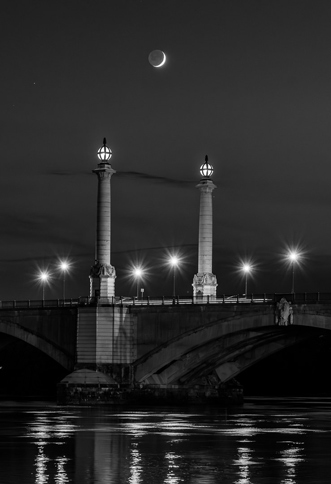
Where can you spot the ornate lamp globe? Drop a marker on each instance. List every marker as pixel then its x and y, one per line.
pixel 104 153
pixel 206 169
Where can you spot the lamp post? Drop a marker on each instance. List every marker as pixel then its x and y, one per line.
pixel 43 277
pixel 246 269
pixel 64 266
pixel 204 282
pixel 293 256
pixel 174 261
pixel 138 272
pixel 103 274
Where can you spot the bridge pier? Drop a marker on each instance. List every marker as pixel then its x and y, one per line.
pixel 106 341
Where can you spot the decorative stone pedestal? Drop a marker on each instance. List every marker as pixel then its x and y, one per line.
pixel 204 285
pixel 102 283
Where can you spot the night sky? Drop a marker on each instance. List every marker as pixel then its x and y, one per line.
pixel 247 83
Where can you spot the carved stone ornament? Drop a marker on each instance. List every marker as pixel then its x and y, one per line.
pixel 104 174
pixel 102 270
pixel 203 279
pixel 284 313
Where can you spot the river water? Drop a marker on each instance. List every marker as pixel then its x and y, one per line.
pixel 272 441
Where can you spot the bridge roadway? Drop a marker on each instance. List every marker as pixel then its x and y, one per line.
pixel 168 341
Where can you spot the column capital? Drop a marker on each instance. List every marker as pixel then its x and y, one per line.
pixel 104 170
pixel 206 185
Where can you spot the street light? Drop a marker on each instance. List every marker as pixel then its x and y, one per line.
pixel 43 277
pixel 104 153
pixel 246 269
pixel 293 257
pixel 138 273
pixel 174 261
pixel 64 267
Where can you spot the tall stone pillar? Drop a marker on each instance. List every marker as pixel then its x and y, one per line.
pixel 204 282
pixel 102 274
pixel 105 332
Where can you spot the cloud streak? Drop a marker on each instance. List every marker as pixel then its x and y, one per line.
pixel 131 175
pixel 155 178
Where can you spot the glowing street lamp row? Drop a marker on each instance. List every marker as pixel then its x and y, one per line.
pixel 45 276
pixel 174 261
pixel 138 273
pixel 293 256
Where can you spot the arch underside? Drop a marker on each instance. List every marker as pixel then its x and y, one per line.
pixel 41 343
pixel 228 355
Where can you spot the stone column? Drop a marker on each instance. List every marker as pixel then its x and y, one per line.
pixel 204 282
pixel 102 274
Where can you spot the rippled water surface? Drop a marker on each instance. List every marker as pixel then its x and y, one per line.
pixel 265 441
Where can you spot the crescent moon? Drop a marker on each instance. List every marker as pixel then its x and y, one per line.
pixel 164 59
pixel 157 58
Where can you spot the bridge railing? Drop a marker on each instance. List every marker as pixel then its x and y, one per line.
pixel 38 303
pixel 262 298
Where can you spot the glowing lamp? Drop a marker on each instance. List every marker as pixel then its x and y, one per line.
pixel 246 268
pixel 293 256
pixel 44 276
pixel 64 266
pixel 138 272
pixel 206 170
pixel 104 153
pixel 174 261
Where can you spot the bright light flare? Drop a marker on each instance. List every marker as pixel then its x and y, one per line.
pixel 293 256
pixel 138 272
pixel 64 266
pixel 247 268
pixel 174 261
pixel 44 276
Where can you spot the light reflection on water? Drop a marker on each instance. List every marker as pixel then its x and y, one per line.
pixel 244 462
pixel 256 443
pixel 135 467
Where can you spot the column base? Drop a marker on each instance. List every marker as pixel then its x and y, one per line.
pixel 204 284
pixel 102 282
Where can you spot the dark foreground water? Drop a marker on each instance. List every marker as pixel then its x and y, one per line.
pixel 285 441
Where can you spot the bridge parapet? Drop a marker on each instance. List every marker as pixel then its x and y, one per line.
pixel 264 298
pixel 261 298
pixel 39 304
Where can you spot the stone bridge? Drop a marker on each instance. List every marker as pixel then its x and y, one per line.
pixel 166 342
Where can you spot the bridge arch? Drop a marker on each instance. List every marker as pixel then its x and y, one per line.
pixel 227 346
pixel 40 342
